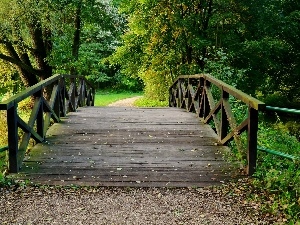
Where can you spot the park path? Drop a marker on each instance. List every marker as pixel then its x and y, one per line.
pixel 127 102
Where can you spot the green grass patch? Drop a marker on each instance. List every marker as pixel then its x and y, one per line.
pixel 104 98
pixel 146 102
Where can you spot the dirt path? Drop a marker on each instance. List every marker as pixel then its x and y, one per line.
pixel 127 102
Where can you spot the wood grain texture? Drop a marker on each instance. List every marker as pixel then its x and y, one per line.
pixel 116 146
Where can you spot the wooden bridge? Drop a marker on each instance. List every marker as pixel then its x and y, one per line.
pixel 130 146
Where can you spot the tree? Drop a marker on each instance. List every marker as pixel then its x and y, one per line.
pixel 164 39
pixel 258 38
pixel 42 37
pixel 24 39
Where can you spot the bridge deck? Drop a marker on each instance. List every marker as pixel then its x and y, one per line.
pixel 114 146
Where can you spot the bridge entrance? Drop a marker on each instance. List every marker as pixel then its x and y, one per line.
pixel 117 146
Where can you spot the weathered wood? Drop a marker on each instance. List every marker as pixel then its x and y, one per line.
pixel 239 129
pixel 253 102
pixel 129 147
pixel 12 128
pixel 206 106
pixel 28 92
pixel 227 127
pixel 41 114
pixel 225 114
pixel 252 140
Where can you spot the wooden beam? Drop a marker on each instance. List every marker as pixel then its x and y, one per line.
pixel 232 123
pixel 12 129
pixel 252 140
pixel 30 131
pixel 214 111
pixel 239 129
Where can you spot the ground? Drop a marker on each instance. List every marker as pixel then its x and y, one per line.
pixel 128 102
pixel 54 205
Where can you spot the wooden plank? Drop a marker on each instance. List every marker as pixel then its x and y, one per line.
pixel 120 146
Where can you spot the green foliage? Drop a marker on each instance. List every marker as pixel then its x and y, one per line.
pixel 253 45
pixel 44 37
pixel 4 181
pixel 279 178
pixel 146 102
pixel 162 41
pixel 9 81
pixel 218 63
pixel 101 27
pixel 3 142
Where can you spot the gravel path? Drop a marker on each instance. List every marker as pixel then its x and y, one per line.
pixel 53 205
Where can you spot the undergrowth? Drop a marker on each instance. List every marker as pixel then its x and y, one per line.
pixel 147 102
pixel 276 182
pixel 276 177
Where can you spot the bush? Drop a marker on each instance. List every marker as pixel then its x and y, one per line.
pixel 277 177
pixel 146 102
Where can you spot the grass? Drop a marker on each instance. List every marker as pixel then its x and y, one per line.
pixel 104 98
pixel 146 102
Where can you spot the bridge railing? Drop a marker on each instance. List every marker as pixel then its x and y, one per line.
pixel 194 93
pixel 68 92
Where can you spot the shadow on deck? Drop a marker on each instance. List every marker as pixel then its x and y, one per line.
pixel 115 146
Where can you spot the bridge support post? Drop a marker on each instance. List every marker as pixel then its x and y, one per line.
pixel 224 120
pixel 12 129
pixel 252 140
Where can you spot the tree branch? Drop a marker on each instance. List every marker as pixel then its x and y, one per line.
pixel 32 50
pixel 20 64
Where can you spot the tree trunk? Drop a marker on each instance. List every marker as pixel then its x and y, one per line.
pixel 76 38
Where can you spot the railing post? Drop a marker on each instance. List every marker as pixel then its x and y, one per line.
pixel 206 108
pixel 93 96
pixel 189 96
pixel 81 92
pixel 171 97
pixel 224 121
pixel 179 93
pixel 12 129
pixel 57 101
pixel 72 95
pixel 252 140
pixel 63 94
pixel 200 96
pixel 40 115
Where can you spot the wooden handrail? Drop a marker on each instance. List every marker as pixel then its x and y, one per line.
pixel 193 92
pixel 63 99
